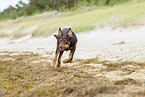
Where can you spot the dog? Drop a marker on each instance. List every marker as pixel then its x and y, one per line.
pixel 66 40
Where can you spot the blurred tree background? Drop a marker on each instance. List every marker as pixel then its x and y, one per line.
pixel 39 6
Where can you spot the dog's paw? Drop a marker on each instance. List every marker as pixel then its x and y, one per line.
pixel 67 61
pixel 52 65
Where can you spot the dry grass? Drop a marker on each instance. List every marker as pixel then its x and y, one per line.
pixel 29 74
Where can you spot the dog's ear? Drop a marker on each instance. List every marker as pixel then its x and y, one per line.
pixel 69 33
pixel 56 36
pixel 59 32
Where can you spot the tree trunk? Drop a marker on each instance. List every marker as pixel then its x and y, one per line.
pixel 54 5
pixel 67 3
pixel 74 3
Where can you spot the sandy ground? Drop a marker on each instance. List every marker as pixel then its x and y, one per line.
pixel 102 43
pixel 114 45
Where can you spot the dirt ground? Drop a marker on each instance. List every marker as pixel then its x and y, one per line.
pixel 108 62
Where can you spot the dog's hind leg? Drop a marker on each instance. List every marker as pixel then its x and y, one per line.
pixel 70 56
pixel 59 59
pixel 55 58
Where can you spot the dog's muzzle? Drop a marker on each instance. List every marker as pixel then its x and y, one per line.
pixel 61 48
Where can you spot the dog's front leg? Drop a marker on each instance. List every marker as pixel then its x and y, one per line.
pixel 55 58
pixel 59 59
pixel 70 56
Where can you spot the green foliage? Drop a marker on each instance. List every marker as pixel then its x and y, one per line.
pixel 113 2
pixel 63 9
pixel 83 3
pixel 80 21
pixel 47 8
pixel 38 6
pixel 101 2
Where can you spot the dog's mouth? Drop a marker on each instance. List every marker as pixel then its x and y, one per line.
pixel 61 49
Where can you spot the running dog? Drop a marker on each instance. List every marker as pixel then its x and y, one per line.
pixel 66 40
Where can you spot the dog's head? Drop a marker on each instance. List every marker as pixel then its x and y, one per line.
pixel 64 38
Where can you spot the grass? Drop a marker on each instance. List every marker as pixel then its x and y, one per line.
pixel 79 22
pixel 89 20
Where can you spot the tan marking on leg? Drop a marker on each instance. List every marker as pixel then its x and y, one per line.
pixel 69 59
pixel 53 65
pixel 59 61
